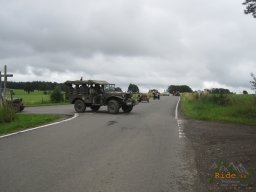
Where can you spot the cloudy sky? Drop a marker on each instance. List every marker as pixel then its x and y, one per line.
pixel 152 43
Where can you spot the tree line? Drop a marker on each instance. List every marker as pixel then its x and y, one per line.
pixel 35 85
pixel 179 88
pixel 218 91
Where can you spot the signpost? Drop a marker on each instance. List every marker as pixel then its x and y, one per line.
pixel 3 90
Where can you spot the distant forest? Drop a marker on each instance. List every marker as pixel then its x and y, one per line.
pixel 35 85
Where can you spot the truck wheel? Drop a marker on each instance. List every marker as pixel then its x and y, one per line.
pixel 79 106
pixel 113 107
pixel 95 108
pixel 127 109
pixel 21 108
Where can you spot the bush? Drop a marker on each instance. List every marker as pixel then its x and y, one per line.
pixel 7 113
pixel 220 107
pixel 254 100
pixel 245 92
pixel 56 95
pixel 221 99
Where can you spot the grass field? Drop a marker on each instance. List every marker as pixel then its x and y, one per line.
pixel 240 109
pixel 34 98
pixel 24 121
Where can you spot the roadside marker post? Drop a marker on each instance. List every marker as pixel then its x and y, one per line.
pixel 3 90
pixel 1 96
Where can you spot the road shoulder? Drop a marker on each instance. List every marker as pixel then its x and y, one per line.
pixel 215 142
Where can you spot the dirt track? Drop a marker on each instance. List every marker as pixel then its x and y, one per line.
pixel 215 142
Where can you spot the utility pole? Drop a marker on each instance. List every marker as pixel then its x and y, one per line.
pixel 1 96
pixel 3 91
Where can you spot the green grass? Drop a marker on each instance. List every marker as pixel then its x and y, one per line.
pixel 7 113
pixel 35 98
pixel 240 109
pixel 24 121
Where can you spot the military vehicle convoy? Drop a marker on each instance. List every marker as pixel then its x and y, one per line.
pixel 94 94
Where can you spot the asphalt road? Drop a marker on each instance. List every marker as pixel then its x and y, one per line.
pixel 100 152
pixel 61 109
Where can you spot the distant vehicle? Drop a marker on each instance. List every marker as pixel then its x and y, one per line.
pixel 176 93
pixel 166 94
pixel 94 94
pixel 156 96
pixel 16 103
pixel 143 97
pixel 155 93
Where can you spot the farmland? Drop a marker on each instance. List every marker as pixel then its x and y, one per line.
pixel 34 98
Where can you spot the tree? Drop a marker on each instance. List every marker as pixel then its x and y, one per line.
pixel 220 91
pixel 180 88
pixel 133 88
pixel 56 95
pixel 28 87
pixel 250 7
pixel 253 82
pixel 245 92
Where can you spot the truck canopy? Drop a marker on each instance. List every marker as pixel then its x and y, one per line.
pixel 78 82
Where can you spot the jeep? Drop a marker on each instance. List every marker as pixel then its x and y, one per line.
pixel 94 94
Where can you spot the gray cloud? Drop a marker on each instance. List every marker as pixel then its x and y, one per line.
pixel 151 43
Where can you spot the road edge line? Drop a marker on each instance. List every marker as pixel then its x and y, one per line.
pixel 39 127
pixel 176 110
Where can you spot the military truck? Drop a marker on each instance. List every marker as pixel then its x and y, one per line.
pixel 143 97
pixel 94 94
pixel 155 93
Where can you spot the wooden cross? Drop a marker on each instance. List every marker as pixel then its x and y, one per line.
pixel 5 75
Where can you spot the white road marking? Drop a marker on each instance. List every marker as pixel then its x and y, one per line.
pixel 181 130
pixel 176 110
pixel 179 122
pixel 39 127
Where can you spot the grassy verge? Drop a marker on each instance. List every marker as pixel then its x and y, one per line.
pixel 24 121
pixel 7 113
pixel 240 109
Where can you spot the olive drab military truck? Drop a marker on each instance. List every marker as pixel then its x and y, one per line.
pixel 94 94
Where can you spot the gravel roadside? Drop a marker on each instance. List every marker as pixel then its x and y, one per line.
pixel 219 147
